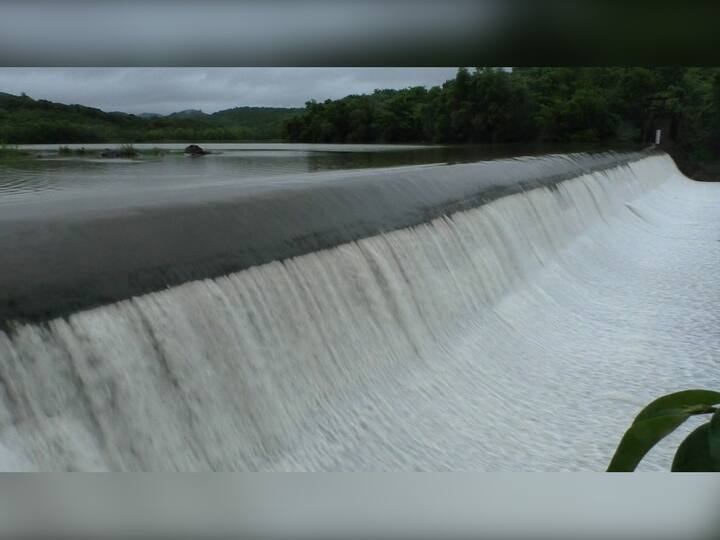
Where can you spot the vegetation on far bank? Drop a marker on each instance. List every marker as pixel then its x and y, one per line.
pixel 24 120
pixel 489 105
pixel 483 105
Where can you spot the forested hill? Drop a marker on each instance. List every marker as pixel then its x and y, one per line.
pixel 24 120
pixel 526 105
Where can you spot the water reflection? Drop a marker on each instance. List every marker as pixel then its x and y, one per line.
pixel 50 173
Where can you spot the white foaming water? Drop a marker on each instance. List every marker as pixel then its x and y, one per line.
pixel 521 335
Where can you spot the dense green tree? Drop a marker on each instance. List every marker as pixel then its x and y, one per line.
pixel 490 105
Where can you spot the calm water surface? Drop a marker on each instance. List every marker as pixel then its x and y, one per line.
pixel 49 175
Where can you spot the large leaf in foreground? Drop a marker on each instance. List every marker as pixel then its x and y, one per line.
pixel 657 420
pixel 640 438
pixel 684 402
pixel 714 437
pixel 693 455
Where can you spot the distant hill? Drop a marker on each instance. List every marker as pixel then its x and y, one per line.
pixel 267 120
pixel 187 113
pixel 24 120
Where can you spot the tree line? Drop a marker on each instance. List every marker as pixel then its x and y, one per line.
pixel 24 120
pixel 491 105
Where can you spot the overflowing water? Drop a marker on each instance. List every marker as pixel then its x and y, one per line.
pixel 522 334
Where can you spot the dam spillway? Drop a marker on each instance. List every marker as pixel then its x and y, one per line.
pixel 505 315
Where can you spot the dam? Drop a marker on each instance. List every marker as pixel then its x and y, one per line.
pixel 510 314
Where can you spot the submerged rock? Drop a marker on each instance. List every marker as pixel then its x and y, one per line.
pixel 195 150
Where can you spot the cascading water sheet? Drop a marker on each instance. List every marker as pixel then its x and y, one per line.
pixel 520 334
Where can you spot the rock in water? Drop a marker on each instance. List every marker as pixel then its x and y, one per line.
pixel 195 150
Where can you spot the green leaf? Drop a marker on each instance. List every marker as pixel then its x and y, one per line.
pixel 640 438
pixel 693 454
pixel 684 402
pixel 714 437
pixel 657 420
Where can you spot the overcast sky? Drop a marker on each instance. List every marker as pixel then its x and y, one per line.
pixel 166 90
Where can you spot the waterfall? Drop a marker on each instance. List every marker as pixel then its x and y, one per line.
pixel 518 334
